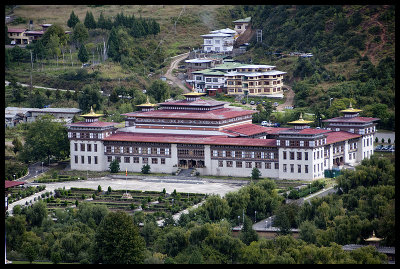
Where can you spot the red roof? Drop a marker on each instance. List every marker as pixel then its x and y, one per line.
pixel 93 124
pixel 9 184
pixel 217 114
pixel 197 102
pixel 354 119
pixel 250 129
pixel 190 139
pixel 15 30
pixel 333 137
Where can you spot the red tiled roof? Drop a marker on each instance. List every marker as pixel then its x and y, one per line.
pixel 93 124
pixel 218 114
pixel 9 184
pixel 190 139
pixel 252 129
pixel 15 30
pixel 333 137
pixel 197 102
pixel 354 119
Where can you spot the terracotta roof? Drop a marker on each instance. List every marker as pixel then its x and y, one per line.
pixel 198 102
pixel 333 137
pixel 15 30
pixel 189 139
pixel 246 129
pixel 93 124
pixel 352 119
pixel 217 114
pixel 9 184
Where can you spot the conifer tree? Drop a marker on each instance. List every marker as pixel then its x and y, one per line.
pixel 73 20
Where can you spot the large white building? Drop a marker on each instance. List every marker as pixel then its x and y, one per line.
pixel 220 141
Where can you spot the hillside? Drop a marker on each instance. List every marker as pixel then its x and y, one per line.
pixel 353 50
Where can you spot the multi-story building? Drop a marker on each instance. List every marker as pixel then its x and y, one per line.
pixel 215 140
pixel 219 41
pixel 255 79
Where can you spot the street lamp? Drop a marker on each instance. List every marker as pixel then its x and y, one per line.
pixel 14 177
pixel 330 101
pixel 255 216
pixel 42 167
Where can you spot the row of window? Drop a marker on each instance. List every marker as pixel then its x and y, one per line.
pixel 244 154
pixel 239 164
pixel 144 160
pixel 255 90
pixel 137 150
pixel 85 147
pixel 88 159
pixel 299 168
pixel 88 135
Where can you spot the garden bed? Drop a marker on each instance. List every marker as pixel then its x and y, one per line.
pixel 150 202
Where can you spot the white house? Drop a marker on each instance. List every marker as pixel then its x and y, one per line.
pixel 219 40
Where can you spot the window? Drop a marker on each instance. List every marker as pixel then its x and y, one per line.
pixel 229 163
pixel 154 160
pixel 298 168
pixel 145 160
pixel 239 164
pixel 135 159
pixel 306 156
pixel 109 159
pixel 258 164
pixel 127 159
pixel 298 155
pixel 284 168
pixel 306 168
pixel 95 147
pixel 284 155
pixel 82 147
pixel 76 159
pixel 267 165
pixel 82 159
pixel 162 160
pixel 118 159
pixel 95 160
pixel 292 155
pixel 249 165
pixel 220 163
pixel 89 159
pixel 291 168
pixel 89 147
pixel 276 165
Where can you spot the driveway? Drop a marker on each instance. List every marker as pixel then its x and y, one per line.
pixel 289 99
pixel 174 65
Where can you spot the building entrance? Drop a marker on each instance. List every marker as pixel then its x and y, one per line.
pixel 185 164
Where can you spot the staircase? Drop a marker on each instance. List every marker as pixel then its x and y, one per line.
pixel 186 172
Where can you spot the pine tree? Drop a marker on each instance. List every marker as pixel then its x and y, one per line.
pixel 73 20
pixel 90 22
pixel 83 55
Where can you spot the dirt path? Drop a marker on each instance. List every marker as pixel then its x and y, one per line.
pixel 289 99
pixel 174 65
